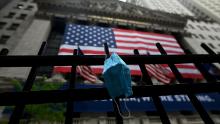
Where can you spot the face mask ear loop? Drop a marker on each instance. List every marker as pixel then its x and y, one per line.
pixel 126 107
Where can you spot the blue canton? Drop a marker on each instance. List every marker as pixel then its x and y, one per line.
pixel 88 36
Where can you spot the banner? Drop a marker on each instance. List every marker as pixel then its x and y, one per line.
pixel 172 103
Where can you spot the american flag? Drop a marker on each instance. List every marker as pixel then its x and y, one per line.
pixel 91 40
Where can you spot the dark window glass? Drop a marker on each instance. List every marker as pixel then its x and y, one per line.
pixel 29 7
pixel 211 45
pixel 191 26
pixel 13 26
pixel 22 16
pixel 4 39
pixel 211 37
pixel 200 27
pixel 217 37
pixel 206 28
pixel 202 36
pixel 2 24
pixel 10 15
pixel 194 35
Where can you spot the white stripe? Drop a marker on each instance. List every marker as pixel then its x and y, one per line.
pixel 143 35
pixel 99 49
pixel 136 45
pixel 132 67
pixel 186 70
pixel 145 40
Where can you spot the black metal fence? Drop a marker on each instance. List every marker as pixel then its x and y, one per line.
pixel 20 99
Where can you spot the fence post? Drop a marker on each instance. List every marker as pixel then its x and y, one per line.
pixel 119 119
pixel 196 103
pixel 70 104
pixel 157 102
pixel 18 110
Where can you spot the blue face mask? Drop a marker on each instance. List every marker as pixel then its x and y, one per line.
pixel 117 77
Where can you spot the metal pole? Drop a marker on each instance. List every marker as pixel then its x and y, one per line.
pixel 70 103
pixel 157 102
pixel 196 103
pixel 18 111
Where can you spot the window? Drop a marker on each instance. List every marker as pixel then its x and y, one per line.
pixel 194 35
pixel 211 37
pixel 10 15
pixel 206 28
pixel 13 26
pixel 201 36
pixel 29 7
pixel 217 37
pixel 22 16
pixel 2 24
pixel 191 26
pixel 19 6
pixel 4 39
pixel 200 27
pixel 211 45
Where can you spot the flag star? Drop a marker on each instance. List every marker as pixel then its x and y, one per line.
pixel 71 25
pixel 99 38
pixel 73 32
pixel 66 42
pixel 68 33
pixel 107 38
pixel 90 41
pixel 112 46
pixel 77 34
pixel 71 40
pixel 99 42
pixel 76 43
pixel 72 36
pixel 81 41
pixel 112 41
pixel 95 45
pixel 69 29
pixel 86 44
pixel 67 38
pixel 81 36
pixel 77 38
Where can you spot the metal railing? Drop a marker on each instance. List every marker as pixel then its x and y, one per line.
pixel 26 96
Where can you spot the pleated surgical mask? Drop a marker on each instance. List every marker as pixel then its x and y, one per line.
pixel 117 77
